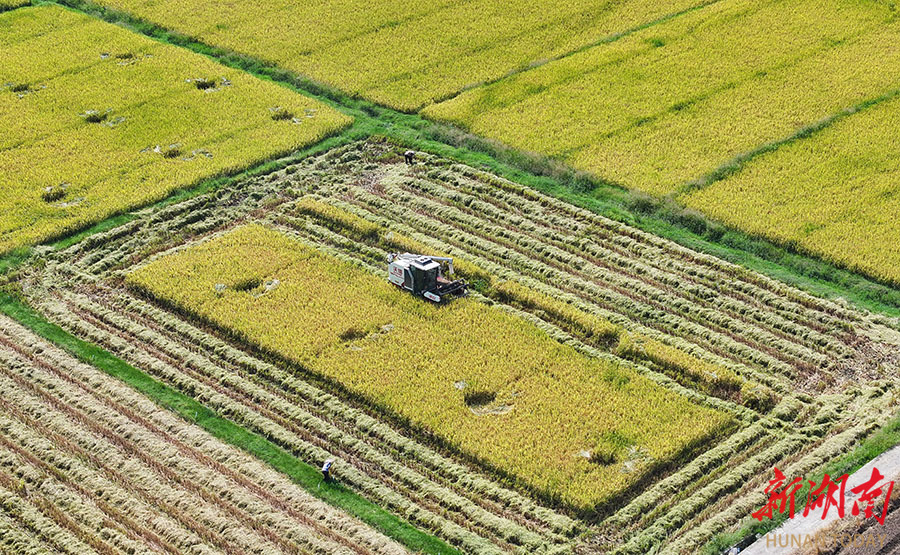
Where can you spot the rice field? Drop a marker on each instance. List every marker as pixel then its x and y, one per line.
pixel 401 55
pixel 671 103
pixel 810 377
pixel 10 4
pixel 678 106
pixel 434 492
pixel 834 194
pixel 88 465
pixel 97 120
pixel 174 377
pixel 487 382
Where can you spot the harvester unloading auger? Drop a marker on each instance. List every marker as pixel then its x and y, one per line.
pixel 422 275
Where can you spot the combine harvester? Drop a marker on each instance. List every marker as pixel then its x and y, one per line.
pixel 422 275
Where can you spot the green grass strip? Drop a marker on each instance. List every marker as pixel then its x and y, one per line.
pixel 13 259
pixel 303 474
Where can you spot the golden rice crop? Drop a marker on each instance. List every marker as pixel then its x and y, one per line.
pixel 587 325
pixel 404 54
pixel 673 102
pixel 484 380
pixel 9 4
pixel 687 369
pixel 333 216
pixel 98 120
pixel 834 194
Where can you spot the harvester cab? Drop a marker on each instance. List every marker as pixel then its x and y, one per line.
pixel 423 276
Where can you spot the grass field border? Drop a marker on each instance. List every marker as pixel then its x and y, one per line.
pixel 303 474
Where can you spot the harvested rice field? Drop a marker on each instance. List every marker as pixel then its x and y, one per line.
pixel 88 464
pixel 458 277
pixel 802 379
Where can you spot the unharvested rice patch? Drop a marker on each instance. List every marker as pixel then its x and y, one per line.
pixel 92 120
pixel 403 55
pixel 545 393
